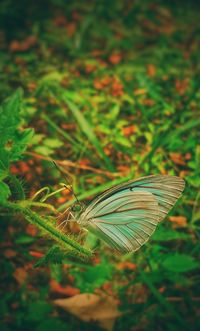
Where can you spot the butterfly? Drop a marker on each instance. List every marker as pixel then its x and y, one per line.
pixel 125 216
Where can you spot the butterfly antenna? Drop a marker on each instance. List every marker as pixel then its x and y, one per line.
pixel 67 180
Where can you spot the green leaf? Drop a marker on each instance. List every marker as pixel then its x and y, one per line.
pixel 93 277
pixel 51 324
pixel 3 174
pixel 52 143
pixel 54 255
pixel 4 192
pixel 162 234
pixel 24 239
pixel 20 142
pixel 179 263
pixel 9 116
pixel 37 139
pixel 123 141
pixel 38 310
pixel 13 141
pixel 44 150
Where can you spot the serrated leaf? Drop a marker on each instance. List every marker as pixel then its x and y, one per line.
pixel 9 116
pixel 21 141
pixel 179 263
pixel 13 141
pixel 54 255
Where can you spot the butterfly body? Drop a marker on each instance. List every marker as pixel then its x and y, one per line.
pixel 126 215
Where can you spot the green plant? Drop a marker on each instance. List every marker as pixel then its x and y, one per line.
pixel 13 144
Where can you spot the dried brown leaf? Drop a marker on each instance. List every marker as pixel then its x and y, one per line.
pixel 92 307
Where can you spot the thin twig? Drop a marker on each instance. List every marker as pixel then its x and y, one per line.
pixel 67 163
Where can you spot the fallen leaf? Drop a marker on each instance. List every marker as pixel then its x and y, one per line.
pixel 20 275
pixel 23 45
pixel 106 80
pixel 181 86
pixel 183 173
pixel 90 68
pixel 36 254
pixel 178 221
pixel 31 230
pixel 61 200
pixel 9 253
pixel 65 290
pixel 126 265
pixel 31 86
pixel 177 158
pixel 60 21
pixel 162 289
pixel 92 307
pixel 68 126
pixel 188 156
pixel 14 170
pixel 125 170
pixel 71 29
pixel 115 58
pixel 97 52
pixel 84 162
pixel 117 88
pixel 129 130
pixel 107 287
pixel 148 102
pixel 151 70
pixel 139 91
pixel 98 84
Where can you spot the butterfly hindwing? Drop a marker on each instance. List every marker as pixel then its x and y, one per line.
pixel 125 220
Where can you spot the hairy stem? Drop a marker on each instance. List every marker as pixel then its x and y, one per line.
pixel 47 227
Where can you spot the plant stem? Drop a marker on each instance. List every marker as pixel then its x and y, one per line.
pixel 47 227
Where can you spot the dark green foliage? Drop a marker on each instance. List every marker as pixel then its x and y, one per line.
pixel 13 143
pixel 179 263
pixel 54 255
pixel 93 276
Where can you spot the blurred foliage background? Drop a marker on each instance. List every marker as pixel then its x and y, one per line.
pixel 111 89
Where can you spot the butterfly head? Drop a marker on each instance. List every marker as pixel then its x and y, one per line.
pixel 77 209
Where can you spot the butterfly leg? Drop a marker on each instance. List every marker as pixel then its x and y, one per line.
pixel 64 220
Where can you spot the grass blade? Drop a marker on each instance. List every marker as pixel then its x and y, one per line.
pixel 95 191
pixel 88 131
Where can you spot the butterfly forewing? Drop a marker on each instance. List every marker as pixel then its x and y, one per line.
pixel 125 220
pixel 166 189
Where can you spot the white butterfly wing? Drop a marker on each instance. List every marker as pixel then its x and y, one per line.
pixel 125 220
pixel 126 215
pixel 166 189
